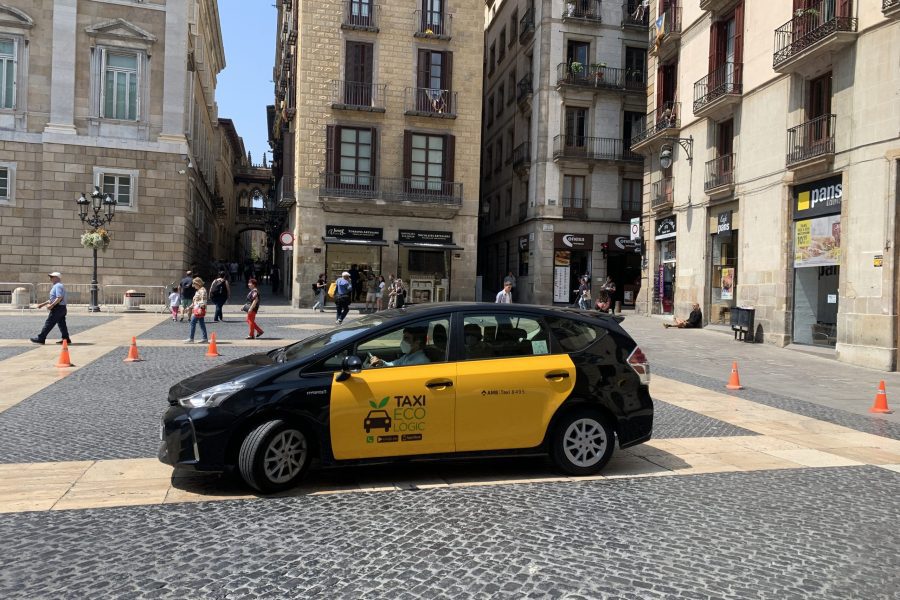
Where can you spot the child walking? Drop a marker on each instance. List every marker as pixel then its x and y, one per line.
pixel 174 302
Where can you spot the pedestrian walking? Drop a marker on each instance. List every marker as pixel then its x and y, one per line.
pixel 219 292
pixel 400 298
pixel 504 296
pixel 253 300
pixel 381 294
pixel 56 305
pixel 174 302
pixel 584 294
pixel 187 293
pixel 342 296
pixel 275 279
pixel 233 270
pixel 371 291
pixel 319 290
pixel 510 278
pixel 198 310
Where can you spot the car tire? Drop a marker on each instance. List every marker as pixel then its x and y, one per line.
pixel 274 456
pixel 582 442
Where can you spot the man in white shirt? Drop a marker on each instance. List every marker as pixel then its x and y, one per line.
pixel 411 347
pixel 504 296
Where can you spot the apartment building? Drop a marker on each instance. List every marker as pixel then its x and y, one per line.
pixel 121 96
pixel 565 84
pixel 385 135
pixel 771 181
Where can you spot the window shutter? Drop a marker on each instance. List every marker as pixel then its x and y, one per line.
pixel 660 85
pixel 449 157
pixel 844 8
pixel 407 154
pixel 447 74
pixel 101 74
pixel 424 65
pixel 374 157
pixel 738 40
pixel 713 45
pixel 330 154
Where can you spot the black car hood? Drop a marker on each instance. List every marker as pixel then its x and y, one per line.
pixel 231 370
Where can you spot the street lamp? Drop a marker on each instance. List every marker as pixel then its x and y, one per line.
pixel 103 207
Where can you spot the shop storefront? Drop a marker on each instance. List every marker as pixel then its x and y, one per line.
pixel 723 266
pixel 664 278
pixel 817 259
pixel 623 264
pixel 423 259
pixel 571 261
pixel 347 245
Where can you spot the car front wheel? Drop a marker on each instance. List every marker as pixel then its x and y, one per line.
pixel 274 456
pixel 582 443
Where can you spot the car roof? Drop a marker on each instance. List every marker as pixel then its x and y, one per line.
pixel 425 310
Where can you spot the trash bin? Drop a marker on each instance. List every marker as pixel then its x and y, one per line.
pixel 133 300
pixel 21 298
pixel 743 323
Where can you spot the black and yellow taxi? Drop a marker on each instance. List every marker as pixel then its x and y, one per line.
pixel 430 381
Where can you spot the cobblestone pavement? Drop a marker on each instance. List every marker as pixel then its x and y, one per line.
pixel 10 351
pixel 816 533
pixel 284 330
pixel 25 327
pixel 671 421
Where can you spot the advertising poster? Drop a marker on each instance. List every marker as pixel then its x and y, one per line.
pixel 561 284
pixel 817 242
pixel 728 283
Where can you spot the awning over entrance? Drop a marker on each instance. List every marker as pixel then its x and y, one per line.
pixel 334 240
pixel 429 245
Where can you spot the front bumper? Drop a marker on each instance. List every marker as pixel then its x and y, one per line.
pixel 187 441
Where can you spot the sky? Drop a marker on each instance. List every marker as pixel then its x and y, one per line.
pixel 245 87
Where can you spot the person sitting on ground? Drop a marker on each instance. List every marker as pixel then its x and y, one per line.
pixel 694 320
pixel 411 347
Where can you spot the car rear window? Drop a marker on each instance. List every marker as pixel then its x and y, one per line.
pixel 572 335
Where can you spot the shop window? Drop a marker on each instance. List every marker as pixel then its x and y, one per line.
pixel 500 336
pixel 523 262
pixel 724 275
pixel 426 261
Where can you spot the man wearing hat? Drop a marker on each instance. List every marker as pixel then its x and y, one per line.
pixel 342 296
pixel 56 304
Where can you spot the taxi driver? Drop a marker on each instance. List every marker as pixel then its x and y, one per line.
pixel 411 347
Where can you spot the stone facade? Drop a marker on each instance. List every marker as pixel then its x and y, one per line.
pixel 761 154
pixel 395 34
pixel 562 80
pixel 156 143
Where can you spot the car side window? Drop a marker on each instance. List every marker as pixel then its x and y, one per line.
pixel 329 363
pixel 503 336
pixel 573 335
pixel 417 343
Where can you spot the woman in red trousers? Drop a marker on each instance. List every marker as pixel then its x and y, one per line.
pixel 253 301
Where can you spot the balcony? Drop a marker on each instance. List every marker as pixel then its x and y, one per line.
pixel 890 8
pixel 662 194
pixel 634 14
pixel 430 102
pixel 360 16
pixel 581 10
pixel 805 43
pixel 600 77
pixel 350 95
pixel 593 148
pixel 354 192
pixel 717 6
pixel 662 122
pixel 719 175
pixel 573 208
pixel 716 94
pixel 524 92
pixel 521 157
pixel 431 24
pixel 665 41
pixel 526 26
pixel 811 142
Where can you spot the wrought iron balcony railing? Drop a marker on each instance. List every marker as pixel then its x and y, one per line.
pixel 433 24
pixel 808 27
pixel 574 208
pixel 360 15
pixel 662 193
pixel 524 88
pixel 390 189
pixel 887 5
pixel 526 25
pixel 430 102
pixel 583 10
pixel 811 139
pixel 668 116
pixel 357 96
pixel 724 81
pixel 592 148
pixel 635 14
pixel 719 172
pixel 600 76
pixel 521 155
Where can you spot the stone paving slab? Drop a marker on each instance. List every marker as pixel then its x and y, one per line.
pixel 768 534
pixel 27 326
pixel 11 351
pixel 285 330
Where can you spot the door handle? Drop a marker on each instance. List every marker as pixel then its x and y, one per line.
pixel 557 375
pixel 439 384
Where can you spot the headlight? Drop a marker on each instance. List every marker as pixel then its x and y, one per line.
pixel 211 396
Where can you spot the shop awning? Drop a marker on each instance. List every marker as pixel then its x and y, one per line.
pixel 430 246
pixel 334 240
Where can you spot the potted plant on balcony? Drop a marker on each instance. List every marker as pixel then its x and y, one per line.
pixel 576 67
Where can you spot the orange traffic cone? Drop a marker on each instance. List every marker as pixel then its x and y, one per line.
pixel 213 350
pixel 734 382
pixel 64 360
pixel 132 352
pixel 881 405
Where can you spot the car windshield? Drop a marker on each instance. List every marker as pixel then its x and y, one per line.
pixel 313 344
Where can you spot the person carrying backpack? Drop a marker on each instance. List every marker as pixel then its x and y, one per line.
pixel 219 292
pixel 187 293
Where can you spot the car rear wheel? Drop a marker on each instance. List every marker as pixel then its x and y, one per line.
pixel 274 456
pixel 582 443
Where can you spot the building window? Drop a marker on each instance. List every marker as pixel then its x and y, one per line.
pixel 508 201
pixel 119 86
pixel 490 110
pixel 511 85
pixel 576 127
pixel 502 44
pixel 428 161
pixel 513 27
pixel 492 59
pixel 7 183
pixel 351 156
pixel 8 72
pixel 358 71
pixel 121 184
pixel 501 93
pixel 433 15
pixel 631 195
pixel 573 189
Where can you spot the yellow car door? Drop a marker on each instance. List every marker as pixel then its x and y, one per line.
pixel 394 411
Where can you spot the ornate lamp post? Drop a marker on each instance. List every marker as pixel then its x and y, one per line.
pixel 103 207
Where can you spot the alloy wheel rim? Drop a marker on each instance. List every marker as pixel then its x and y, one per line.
pixel 584 442
pixel 285 456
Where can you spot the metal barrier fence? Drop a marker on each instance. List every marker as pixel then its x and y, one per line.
pixel 135 297
pixel 10 294
pixel 76 293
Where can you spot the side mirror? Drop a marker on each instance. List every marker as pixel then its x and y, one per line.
pixel 350 365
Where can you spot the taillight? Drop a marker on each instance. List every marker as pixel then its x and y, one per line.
pixel 639 363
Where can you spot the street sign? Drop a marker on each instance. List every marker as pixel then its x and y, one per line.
pixel 286 238
pixel 636 228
